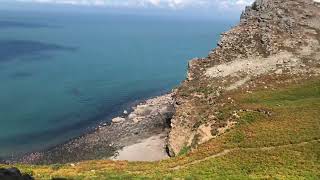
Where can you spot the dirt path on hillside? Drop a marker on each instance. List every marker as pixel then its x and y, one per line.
pixel 227 151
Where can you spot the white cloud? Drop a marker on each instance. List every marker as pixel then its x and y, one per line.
pixel 155 2
pixel 174 4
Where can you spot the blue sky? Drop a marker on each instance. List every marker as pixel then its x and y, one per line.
pixel 173 4
pixel 208 8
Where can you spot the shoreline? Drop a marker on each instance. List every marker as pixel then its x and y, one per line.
pixel 147 119
pixel 101 121
pixel 149 149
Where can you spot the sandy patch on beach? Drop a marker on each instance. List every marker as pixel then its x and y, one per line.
pixel 150 149
pixel 136 136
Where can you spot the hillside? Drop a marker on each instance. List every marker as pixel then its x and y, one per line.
pixel 250 110
pixel 276 43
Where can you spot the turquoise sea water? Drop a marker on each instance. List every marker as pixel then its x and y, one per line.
pixel 61 73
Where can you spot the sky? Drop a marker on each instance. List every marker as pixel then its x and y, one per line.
pixel 209 8
pixel 173 4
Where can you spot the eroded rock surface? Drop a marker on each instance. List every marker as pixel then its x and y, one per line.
pixel 276 42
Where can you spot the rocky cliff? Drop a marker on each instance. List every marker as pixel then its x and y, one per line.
pixel 275 44
pixel 260 88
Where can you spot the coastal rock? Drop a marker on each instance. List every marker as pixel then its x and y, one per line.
pixel 161 106
pixel 149 119
pixel 13 174
pixel 132 116
pixel 191 65
pixel 277 42
pixel 118 120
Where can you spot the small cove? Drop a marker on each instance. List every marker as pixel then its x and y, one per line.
pixel 62 74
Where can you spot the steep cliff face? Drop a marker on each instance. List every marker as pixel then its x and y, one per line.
pixel 275 44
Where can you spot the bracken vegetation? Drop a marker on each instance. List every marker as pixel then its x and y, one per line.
pixel 281 144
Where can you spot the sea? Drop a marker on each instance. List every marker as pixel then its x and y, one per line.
pixel 63 73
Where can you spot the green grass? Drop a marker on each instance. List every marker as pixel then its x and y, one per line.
pixel 294 119
pixel 185 150
pixel 286 97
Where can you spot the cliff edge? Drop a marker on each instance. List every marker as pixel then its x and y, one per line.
pixel 275 44
pixel 250 110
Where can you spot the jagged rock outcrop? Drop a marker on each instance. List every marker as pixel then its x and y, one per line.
pixel 276 42
pixel 13 174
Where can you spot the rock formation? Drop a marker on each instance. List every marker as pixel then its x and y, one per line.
pixel 13 174
pixel 276 42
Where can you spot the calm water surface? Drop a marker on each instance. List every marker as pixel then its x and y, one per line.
pixel 63 73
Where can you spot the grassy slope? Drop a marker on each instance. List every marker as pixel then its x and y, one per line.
pixel 284 145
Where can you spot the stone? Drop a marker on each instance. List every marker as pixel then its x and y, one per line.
pixel 13 173
pixel 132 116
pixel 118 120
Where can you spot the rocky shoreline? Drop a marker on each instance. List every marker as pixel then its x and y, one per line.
pixel 148 119
pixel 276 43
